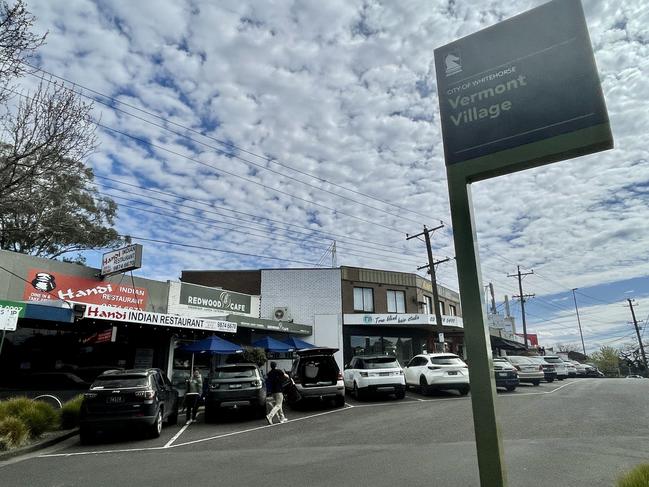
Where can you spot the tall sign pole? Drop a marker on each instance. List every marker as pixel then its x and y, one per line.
pixel 520 94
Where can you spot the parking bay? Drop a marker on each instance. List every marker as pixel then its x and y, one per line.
pixel 420 435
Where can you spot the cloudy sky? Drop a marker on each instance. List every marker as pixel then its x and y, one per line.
pixel 261 132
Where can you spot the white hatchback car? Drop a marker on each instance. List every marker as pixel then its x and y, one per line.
pixel 374 373
pixel 437 371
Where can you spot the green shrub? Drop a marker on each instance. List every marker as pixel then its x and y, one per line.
pixel 13 432
pixel 70 413
pixel 37 416
pixel 638 477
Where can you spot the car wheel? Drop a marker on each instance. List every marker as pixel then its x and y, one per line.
pixel 512 388
pixel 156 427
pixel 401 393
pixel 356 393
pixel 536 382
pixel 464 391
pixel 339 401
pixel 423 385
pixel 86 435
pixel 550 380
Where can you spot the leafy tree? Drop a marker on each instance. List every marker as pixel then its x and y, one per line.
pixel 607 360
pixel 631 361
pixel 48 203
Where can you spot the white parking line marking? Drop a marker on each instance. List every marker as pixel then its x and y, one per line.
pixel 170 444
pixel 100 452
pixel 175 437
pixel 347 405
pixel 234 433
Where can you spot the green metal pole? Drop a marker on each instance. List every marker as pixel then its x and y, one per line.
pixel 476 335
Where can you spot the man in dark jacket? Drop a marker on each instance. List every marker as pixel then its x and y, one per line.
pixel 276 377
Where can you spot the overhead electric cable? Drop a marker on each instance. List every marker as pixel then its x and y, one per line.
pixel 226 144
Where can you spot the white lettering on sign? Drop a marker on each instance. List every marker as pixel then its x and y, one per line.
pixel 160 319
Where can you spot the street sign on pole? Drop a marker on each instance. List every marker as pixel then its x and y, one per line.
pixel 520 94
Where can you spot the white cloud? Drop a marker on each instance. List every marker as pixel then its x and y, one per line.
pixel 346 91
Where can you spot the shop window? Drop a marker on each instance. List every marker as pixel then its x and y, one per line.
pixel 396 301
pixel 364 299
pixel 452 310
pixel 442 308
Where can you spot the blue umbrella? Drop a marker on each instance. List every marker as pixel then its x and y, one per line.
pixel 213 344
pixel 271 345
pixel 298 344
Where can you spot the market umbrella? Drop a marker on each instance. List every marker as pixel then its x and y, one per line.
pixel 298 344
pixel 271 345
pixel 214 345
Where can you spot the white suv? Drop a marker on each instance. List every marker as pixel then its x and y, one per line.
pixel 560 365
pixel 374 373
pixel 437 371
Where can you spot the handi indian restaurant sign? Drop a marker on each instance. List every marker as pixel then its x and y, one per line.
pixel 121 260
pixel 157 319
pixel 522 93
pixel 47 286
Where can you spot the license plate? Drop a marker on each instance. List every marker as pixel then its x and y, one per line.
pixel 453 372
pixel 115 399
pixel 502 374
pixel 235 386
pixel 383 374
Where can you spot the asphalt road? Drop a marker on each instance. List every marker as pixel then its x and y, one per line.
pixel 574 433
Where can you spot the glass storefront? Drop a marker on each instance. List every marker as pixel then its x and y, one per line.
pixel 404 345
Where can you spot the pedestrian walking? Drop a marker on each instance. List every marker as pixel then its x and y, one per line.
pixel 274 382
pixel 193 394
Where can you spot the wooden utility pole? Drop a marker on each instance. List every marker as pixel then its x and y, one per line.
pixel 522 297
pixel 637 330
pixel 431 270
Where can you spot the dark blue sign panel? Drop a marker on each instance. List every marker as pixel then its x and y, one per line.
pixel 527 79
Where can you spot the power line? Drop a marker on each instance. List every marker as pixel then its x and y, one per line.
pixel 223 171
pixel 226 144
pixel 325 235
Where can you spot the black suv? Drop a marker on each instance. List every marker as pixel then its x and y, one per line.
pixel 317 376
pixel 124 398
pixel 235 386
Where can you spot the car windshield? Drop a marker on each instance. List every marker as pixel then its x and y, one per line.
pixel 553 360
pixel 520 360
pixel 380 363
pixel 120 381
pixel 234 373
pixel 449 360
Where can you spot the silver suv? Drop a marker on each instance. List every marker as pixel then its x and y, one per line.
pixel 559 365
pixel 317 376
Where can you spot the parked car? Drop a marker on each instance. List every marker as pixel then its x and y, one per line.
pixel 505 374
pixel 559 365
pixel 529 370
pixel 437 371
pixel 233 387
pixel 570 367
pixel 128 398
pixel 317 376
pixel 549 370
pixel 582 369
pixel 634 376
pixel 374 374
